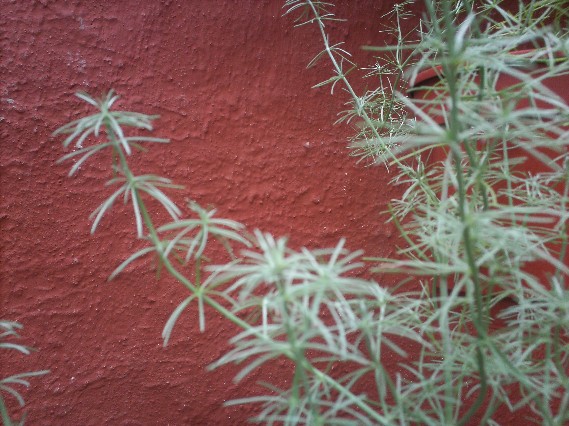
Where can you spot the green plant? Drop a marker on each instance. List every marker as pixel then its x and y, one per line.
pixel 289 288
pixel 471 224
pixel 474 222
pixel 8 330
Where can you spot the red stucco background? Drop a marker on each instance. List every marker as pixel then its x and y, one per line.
pixel 249 136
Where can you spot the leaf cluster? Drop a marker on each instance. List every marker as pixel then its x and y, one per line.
pixel 9 332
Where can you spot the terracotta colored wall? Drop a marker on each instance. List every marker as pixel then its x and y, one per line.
pixel 248 136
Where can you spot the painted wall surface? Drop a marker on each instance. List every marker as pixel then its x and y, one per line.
pixel 249 136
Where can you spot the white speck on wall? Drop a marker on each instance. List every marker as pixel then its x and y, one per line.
pixel 76 61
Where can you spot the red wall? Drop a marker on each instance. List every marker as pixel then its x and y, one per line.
pixel 249 136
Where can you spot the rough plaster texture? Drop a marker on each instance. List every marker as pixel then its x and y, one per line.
pixel 249 136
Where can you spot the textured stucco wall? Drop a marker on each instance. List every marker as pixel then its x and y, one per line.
pixel 248 135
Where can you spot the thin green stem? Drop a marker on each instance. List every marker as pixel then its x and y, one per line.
pixel 338 69
pixel 450 70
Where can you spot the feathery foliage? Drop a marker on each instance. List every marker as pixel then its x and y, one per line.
pixel 8 385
